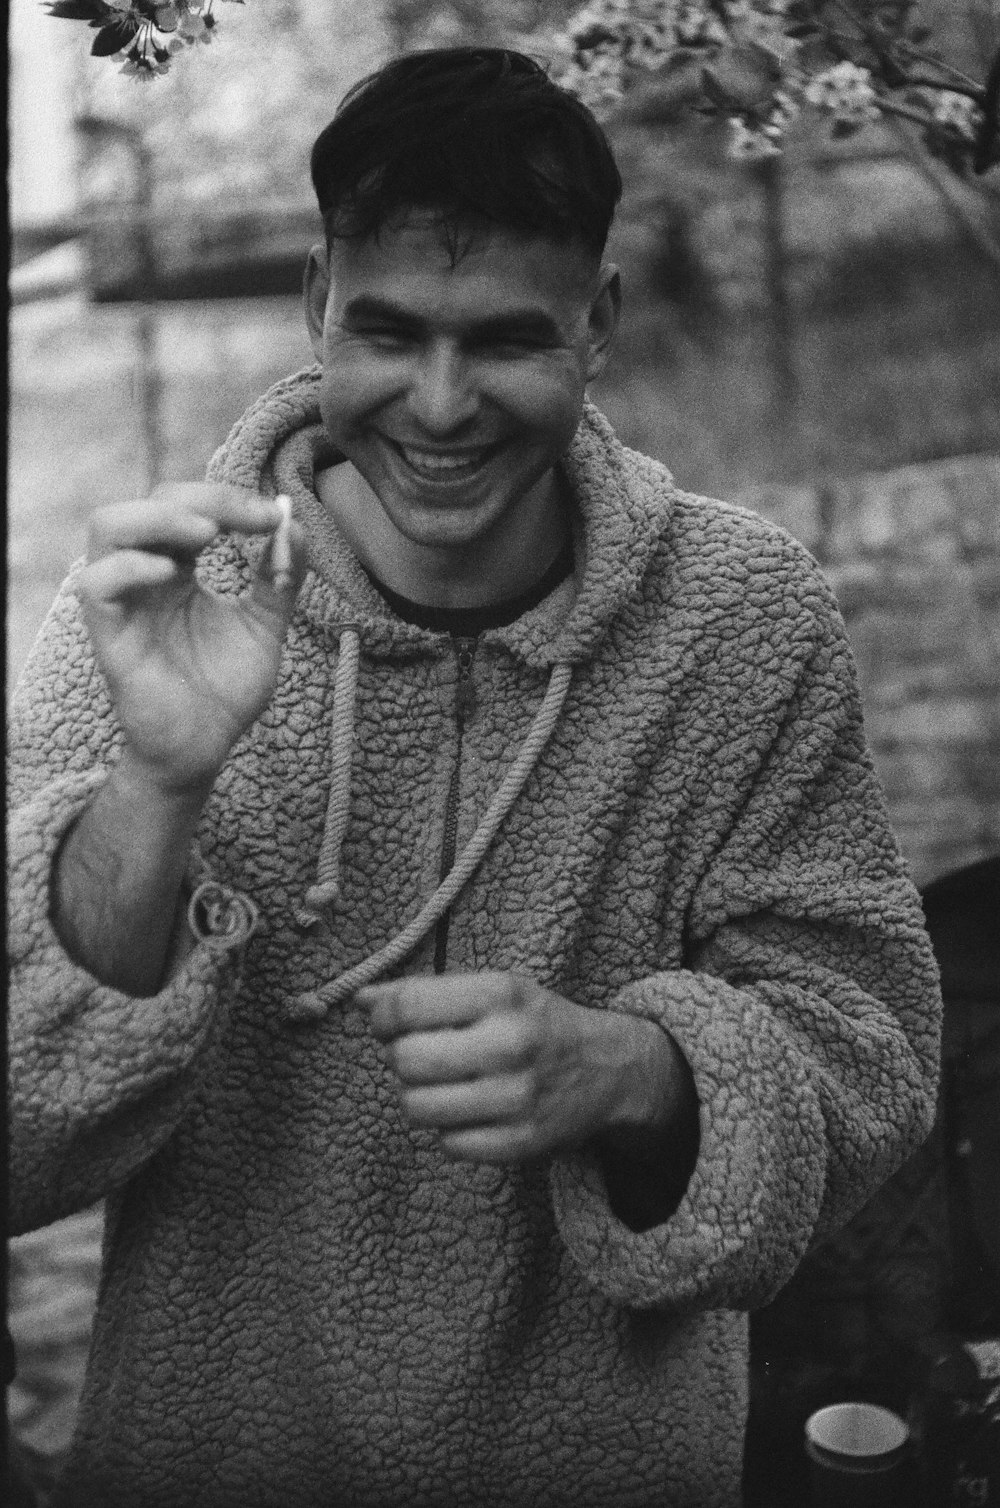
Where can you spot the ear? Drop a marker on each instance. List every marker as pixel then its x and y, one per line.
pixel 605 310
pixel 316 291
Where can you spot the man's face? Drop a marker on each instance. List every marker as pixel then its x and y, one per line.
pixel 453 389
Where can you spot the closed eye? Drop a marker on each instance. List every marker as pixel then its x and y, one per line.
pixel 516 342
pixel 383 334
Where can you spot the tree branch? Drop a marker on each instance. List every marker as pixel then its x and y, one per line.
pixel 883 44
pixel 978 232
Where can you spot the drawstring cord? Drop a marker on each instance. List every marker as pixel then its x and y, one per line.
pixel 313 1004
pixel 324 894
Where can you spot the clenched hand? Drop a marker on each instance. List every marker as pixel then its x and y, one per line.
pixel 505 1070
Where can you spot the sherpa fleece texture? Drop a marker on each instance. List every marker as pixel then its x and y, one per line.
pixel 303 1302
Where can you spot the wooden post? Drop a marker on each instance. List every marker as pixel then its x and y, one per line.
pixel 139 237
pixel 784 394
pixel 149 381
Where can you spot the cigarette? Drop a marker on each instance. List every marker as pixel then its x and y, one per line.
pixel 281 546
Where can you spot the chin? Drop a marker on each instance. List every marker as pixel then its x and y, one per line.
pixel 454 528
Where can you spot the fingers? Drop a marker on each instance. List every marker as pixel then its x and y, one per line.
pixel 133 546
pixel 498 1044
pixel 179 521
pixel 499 1068
pixel 462 1049
pixel 446 1000
pixel 498 1145
pixel 114 578
pixel 507 1099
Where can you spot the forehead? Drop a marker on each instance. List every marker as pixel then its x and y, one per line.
pixel 411 266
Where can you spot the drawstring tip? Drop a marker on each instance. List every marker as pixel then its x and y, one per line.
pixel 307 1007
pixel 323 897
pixel 320 900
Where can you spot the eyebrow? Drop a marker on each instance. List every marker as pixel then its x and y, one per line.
pixel 526 321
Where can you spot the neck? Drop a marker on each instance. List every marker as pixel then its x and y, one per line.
pixel 494 567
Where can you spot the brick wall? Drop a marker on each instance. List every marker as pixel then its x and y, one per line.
pixel 914 556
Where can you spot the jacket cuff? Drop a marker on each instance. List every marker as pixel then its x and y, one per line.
pixel 751 1204
pixel 90 1066
pixel 218 917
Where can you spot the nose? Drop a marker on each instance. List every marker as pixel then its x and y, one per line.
pixel 442 396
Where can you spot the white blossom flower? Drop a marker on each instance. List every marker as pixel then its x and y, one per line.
pixel 598 82
pixel 846 92
pixel 192 25
pixel 167 17
pixel 763 7
pixel 786 110
pixel 752 143
pixel 142 70
pixel 651 44
pixel 959 113
pixel 696 24
pixel 600 15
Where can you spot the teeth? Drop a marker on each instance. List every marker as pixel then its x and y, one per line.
pixel 435 463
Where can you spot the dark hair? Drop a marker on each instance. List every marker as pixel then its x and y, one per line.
pixel 476 134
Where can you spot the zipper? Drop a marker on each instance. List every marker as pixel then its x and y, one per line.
pixel 465 698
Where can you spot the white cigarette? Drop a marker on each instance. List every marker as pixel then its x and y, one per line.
pixel 281 546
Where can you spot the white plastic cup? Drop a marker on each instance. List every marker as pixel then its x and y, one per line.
pixel 859 1457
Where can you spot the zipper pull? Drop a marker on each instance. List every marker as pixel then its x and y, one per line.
pixel 465 690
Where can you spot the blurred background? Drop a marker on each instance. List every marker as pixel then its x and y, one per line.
pixel 816 336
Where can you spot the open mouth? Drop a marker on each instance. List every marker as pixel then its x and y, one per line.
pixel 444 466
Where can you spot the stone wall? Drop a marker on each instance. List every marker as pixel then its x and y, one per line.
pixel 914 556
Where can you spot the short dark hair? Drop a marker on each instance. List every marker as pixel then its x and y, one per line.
pixel 477 135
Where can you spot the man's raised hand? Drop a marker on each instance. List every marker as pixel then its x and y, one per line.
pixel 188 670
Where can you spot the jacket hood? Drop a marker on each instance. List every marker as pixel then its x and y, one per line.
pixel 622 506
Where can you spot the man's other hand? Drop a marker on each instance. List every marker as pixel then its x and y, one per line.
pixel 505 1070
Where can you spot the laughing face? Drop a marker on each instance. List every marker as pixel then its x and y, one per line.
pixel 452 390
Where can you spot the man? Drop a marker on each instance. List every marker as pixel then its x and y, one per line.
pixel 470 955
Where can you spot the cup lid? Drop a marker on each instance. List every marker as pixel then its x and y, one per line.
pixel 857 1429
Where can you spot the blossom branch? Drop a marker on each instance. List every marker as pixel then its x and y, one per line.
pixel 760 62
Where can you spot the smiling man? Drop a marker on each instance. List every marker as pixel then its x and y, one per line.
pixel 473 962
pixel 453 387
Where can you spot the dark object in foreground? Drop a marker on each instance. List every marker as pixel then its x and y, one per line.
pixel 902 1307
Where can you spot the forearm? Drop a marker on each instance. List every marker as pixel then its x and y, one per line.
pixel 118 879
pixel 650 1143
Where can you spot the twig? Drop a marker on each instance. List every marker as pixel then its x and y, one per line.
pixel 904 112
pixel 970 89
pixel 883 43
pixel 973 92
pixel 943 182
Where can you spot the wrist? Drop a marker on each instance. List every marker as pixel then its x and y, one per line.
pixel 649 1146
pixel 118 876
pixel 140 779
pixel 654 1094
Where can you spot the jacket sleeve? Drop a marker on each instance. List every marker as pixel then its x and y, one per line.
pixel 97 1080
pixel 808 1010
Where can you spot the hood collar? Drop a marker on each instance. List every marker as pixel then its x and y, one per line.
pixel 622 506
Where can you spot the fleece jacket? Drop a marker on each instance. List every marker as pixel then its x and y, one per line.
pixel 661 803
